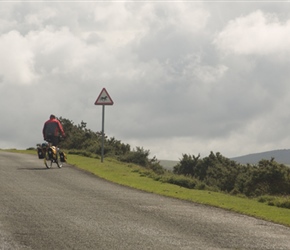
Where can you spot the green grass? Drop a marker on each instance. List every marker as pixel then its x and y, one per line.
pixel 135 177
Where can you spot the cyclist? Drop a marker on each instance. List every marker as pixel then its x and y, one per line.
pixel 51 130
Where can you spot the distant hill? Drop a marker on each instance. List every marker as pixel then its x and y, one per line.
pixel 168 164
pixel 280 155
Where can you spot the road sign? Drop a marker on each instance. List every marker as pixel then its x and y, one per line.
pixel 104 98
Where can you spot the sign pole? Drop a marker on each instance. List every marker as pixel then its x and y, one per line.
pixel 103 99
pixel 103 133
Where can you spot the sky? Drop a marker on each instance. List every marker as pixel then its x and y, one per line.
pixel 186 77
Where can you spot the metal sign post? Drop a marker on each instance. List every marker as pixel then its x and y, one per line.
pixel 103 99
pixel 103 133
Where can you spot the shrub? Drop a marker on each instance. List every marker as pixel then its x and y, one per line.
pixel 138 156
pixel 180 181
pixel 284 204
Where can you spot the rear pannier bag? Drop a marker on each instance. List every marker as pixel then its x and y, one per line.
pixel 62 156
pixel 40 153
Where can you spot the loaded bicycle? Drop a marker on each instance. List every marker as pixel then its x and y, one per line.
pixel 50 154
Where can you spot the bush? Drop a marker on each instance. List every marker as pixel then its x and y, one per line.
pixel 138 156
pixel 268 177
pixel 180 181
pixel 284 204
pixel 265 198
pixel 83 153
pixel 278 201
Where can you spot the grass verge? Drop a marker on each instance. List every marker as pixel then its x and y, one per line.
pixel 133 176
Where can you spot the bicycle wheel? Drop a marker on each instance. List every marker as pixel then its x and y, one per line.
pixel 57 161
pixel 47 163
pixel 59 164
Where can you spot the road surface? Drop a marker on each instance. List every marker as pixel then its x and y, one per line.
pixel 69 209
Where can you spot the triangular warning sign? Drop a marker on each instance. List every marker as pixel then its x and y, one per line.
pixel 104 98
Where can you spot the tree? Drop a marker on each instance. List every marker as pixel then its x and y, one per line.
pixel 187 165
pixel 268 177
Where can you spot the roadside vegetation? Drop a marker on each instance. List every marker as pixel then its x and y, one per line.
pixel 215 177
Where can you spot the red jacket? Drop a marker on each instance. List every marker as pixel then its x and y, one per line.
pixel 52 127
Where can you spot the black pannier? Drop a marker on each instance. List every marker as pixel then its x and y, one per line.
pixel 62 156
pixel 41 150
pixel 40 153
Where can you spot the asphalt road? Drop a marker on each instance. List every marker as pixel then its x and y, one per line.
pixel 69 209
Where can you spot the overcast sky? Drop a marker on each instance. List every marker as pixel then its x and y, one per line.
pixel 185 76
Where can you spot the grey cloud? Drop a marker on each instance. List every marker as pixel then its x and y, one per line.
pixel 174 91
